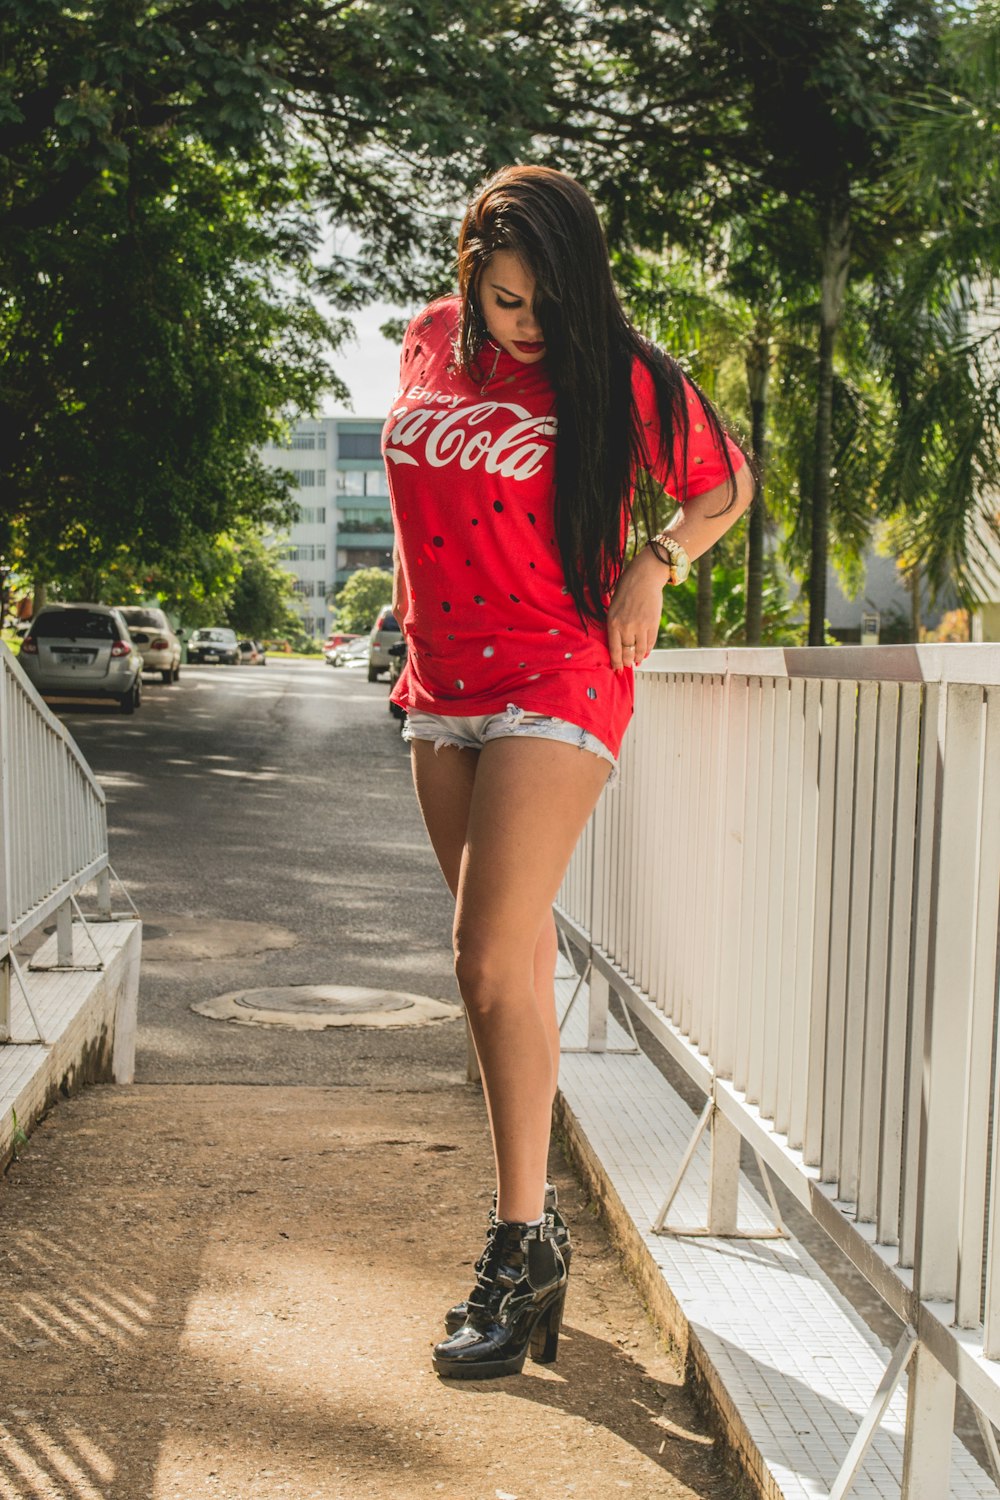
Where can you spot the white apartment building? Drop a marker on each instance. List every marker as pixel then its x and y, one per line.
pixel 344 519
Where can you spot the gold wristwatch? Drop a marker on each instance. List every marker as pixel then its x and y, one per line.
pixel 676 557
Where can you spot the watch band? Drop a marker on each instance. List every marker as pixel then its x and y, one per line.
pixel 676 558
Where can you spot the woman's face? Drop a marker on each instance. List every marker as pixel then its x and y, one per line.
pixel 506 289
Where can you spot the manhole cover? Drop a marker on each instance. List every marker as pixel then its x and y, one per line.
pixel 312 1007
pixel 324 999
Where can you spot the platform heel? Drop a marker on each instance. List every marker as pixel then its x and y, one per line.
pixel 545 1334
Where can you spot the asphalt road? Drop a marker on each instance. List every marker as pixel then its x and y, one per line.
pixel 264 822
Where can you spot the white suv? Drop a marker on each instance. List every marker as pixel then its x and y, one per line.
pixel 385 633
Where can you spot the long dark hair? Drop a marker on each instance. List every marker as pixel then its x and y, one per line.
pixel 602 452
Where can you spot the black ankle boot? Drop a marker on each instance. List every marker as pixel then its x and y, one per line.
pixel 456 1316
pixel 516 1305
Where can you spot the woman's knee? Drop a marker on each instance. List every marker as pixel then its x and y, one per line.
pixel 490 973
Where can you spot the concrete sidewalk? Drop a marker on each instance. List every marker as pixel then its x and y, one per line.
pixel 230 1291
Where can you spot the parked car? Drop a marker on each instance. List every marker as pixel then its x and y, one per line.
pixel 335 642
pixel 156 642
pixel 384 633
pixel 83 651
pixel 397 661
pixel 214 643
pixel 351 654
pixel 252 654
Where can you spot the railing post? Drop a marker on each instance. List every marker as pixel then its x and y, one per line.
pixel 597 1015
pixel 724 1176
pixel 104 893
pixel 930 1419
pixel 5 970
pixel 949 1000
pixel 64 935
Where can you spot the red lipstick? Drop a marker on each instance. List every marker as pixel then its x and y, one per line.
pixel 528 348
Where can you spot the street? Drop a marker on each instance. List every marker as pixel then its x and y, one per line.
pixel 274 797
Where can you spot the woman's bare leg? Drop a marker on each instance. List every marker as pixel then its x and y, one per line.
pixel 531 799
pixel 444 780
pixel 546 953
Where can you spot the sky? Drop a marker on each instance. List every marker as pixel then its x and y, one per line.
pixel 368 366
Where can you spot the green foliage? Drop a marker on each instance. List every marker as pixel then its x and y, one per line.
pixel 159 167
pixel 781 617
pixel 261 601
pixel 18 1137
pixel 361 597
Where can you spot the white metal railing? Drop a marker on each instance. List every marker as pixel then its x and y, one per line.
pixel 797 886
pixel 53 827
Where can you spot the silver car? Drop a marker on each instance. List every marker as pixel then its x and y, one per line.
pixel 157 644
pixel 83 651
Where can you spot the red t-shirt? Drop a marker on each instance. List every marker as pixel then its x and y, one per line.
pixel 471 466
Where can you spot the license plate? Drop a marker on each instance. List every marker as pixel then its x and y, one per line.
pixel 211 656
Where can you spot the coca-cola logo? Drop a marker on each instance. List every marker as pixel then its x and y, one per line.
pixel 452 436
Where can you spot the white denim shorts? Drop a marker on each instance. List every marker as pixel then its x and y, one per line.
pixel 474 732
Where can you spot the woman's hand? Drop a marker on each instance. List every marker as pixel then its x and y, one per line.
pixel 635 610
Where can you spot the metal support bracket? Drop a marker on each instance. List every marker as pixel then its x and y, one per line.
pixel 721 1220
pixel 59 967
pixel 105 914
pixel 30 1041
pixel 870 1422
pixel 601 1022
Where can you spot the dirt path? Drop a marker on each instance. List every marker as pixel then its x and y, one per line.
pixel 229 1293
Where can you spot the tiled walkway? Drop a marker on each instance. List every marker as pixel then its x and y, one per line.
pixel 791 1365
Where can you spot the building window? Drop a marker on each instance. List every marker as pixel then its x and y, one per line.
pixel 353 518
pixel 360 445
pixel 369 557
pixel 305 588
pixel 304 552
pixel 303 440
pixel 309 515
pixel 305 478
pixel 363 482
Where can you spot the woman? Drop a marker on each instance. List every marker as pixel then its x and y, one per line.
pixel 531 433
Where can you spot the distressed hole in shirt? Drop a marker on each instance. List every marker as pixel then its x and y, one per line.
pixel 498 506
pixel 478 599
